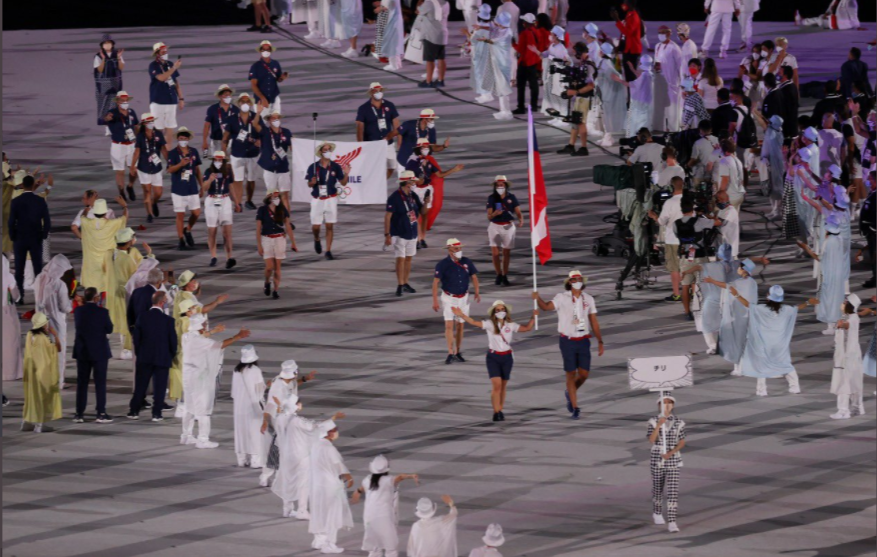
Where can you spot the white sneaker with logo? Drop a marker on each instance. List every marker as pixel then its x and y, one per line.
pixel 205 444
pixel 659 519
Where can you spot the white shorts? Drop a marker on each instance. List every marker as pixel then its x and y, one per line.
pixel 244 169
pixel 501 235
pixel 403 247
pixel 150 179
pixel 449 302
pixel 324 210
pixel 121 156
pixel 218 214
pixel 274 248
pixel 279 181
pixel 182 203
pixel 391 156
pixel 421 193
pixel 274 106
pixel 165 116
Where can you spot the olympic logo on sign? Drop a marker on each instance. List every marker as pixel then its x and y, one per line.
pixel 347 160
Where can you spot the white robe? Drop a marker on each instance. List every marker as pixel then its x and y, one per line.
pixel 730 229
pixel 612 97
pixel 202 362
pixel 499 69
pixel 349 19
pixel 434 537
pixel 52 298
pixel 380 516
pixel 329 508
pixel 470 12
pixel 834 276
pixel 12 353
pixel 711 306
pixel 735 319
pixel 295 439
pixel 327 23
pixel 767 352
pixel 847 377
pixel 247 388
pixel 642 103
pixel 479 69
pixel 393 42
pixel 668 100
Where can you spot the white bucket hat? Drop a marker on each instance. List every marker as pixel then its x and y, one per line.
pixel 425 508
pixel 289 369
pixel 248 353
pixel 319 150
pixel 325 428
pixel 197 322
pixel 99 207
pixel 379 465
pixel 493 537
pixel 124 235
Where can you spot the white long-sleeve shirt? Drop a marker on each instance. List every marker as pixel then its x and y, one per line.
pixel 722 6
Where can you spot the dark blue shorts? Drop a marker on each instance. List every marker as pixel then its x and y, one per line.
pixel 576 354
pixel 500 365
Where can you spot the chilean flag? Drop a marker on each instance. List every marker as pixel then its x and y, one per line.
pixel 539 235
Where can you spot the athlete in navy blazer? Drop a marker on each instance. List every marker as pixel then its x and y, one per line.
pixel 155 344
pixel 91 350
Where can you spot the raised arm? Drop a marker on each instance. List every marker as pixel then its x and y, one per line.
pixel 543 305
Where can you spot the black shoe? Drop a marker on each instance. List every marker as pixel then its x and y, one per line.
pixel 425 85
pixel 266 29
pixel 399 291
pixel 318 247
pixel 582 152
pixel 275 295
pixel 213 262
pixel 145 405
pixel 133 416
pixel 501 416
pixel 673 298
pixel 519 111
pixel 254 28
pixel 149 218
pixel 407 288
pixel 131 195
pixel 423 244
pixel 439 83
pixel 459 357
pixel 155 210
pixel 567 150
pixel 496 417
pixel 449 360
pixel 576 414
pixel 417 245
pixel 78 419
pixel 166 406
pixel 189 239
pixel 157 419
pixel 569 407
pixel 869 283
pixel 505 280
pixel 183 246
pixel 689 316
pixel 230 263
pixel 498 280
pixel 5 401
pixel 103 419
pixel 250 205
pixel 267 289
pixel 329 256
pixel 20 300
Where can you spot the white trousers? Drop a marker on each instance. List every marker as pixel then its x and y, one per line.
pixel 711 341
pixel 203 426
pixel 845 401
pixel 712 28
pixel 745 21
pixel 791 378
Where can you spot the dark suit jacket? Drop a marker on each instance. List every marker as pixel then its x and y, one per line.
pixel 29 218
pixel 155 339
pixel 831 103
pixel 790 108
pixel 139 303
pixel 854 71
pixel 722 117
pixel 93 324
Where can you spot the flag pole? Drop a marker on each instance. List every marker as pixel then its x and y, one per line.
pixel 532 179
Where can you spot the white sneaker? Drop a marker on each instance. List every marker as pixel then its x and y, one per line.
pixel 287 511
pixel 313 35
pixel 672 527
pixel 723 54
pixel 335 44
pixel 187 440
pixel 504 115
pixel 389 68
pixel 761 393
pixel 180 410
pixel 659 519
pixel 127 355
pixel 319 541
pixel 350 53
pixel 331 548
pixel 205 444
pixel 242 462
pixel 829 331
pixel 38 428
pixel 711 352
pixel 794 390
pixel 326 43
pixel 263 481
pixel 607 140
pixel 243 4
pixel 841 415
pixel 302 514
pixel 255 462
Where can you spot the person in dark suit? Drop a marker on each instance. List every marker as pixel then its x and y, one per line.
pixel 91 350
pixel 139 303
pixel 29 224
pixel 829 104
pixel 724 114
pixel 155 345
pixel 772 105
pixel 790 102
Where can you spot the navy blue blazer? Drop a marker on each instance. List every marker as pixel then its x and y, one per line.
pixel 155 339
pixel 139 303
pixel 29 218
pixel 93 324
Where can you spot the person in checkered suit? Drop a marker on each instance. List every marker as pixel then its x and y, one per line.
pixel 665 460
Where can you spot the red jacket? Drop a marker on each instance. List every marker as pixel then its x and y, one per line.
pixel 632 29
pixel 527 57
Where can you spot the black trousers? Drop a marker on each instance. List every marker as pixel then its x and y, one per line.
pixel 142 376
pixel 872 245
pixel 84 370
pixel 24 246
pixel 528 75
pixel 633 59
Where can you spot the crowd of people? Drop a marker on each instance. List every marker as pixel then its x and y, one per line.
pixel 707 139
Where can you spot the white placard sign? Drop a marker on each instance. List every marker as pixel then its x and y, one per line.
pixel 665 372
pixel 367 182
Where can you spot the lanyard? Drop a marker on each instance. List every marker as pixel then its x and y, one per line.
pixel 189 163
pixel 273 143
pixel 578 308
pixel 249 125
pixel 405 201
pixel 220 183
pixel 509 344
pixel 458 264
pixel 270 70
pixel 151 144
pixel 321 178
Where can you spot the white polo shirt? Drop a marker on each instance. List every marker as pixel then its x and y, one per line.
pixel 500 342
pixel 78 220
pixel 568 311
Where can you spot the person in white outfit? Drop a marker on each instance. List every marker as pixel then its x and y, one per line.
pixel 329 12
pixel 381 514
pixel 847 377
pixel 349 25
pixel 721 12
pixel 686 45
pixel 202 363
pixel 330 510
pixel 514 12
pixel 433 536
pixel 52 297
pixel 492 539
pixel 307 11
pixel 247 388
pixel 744 18
pixel 841 14
pixel 669 66
pixel 557 56
pixel 498 77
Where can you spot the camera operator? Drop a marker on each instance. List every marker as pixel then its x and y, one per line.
pixel 580 80
pixel 731 174
pixel 557 58
pixel 694 246
pixel 700 153
pixel 648 151
pixel 670 212
pixel 672 168
pixel 730 222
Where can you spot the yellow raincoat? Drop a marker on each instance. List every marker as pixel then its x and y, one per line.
pixel 42 395
pixel 175 382
pixel 98 238
pixel 119 266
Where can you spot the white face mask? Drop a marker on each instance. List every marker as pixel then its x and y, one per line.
pixel 226 100
pixel 765 53
pixel 500 314
pixel 124 106
pixel 327 154
pixel 756 55
pixel 458 255
pixel 430 125
pixel 275 201
pixel 779 49
pixel 245 108
pixel 164 56
pixel 150 126
pixel 500 191
pixel 266 54
pixel 184 143
pixel 275 123
pixel 378 96
pixel 662 37
pixel 217 164
pixel 424 152
pixel 578 285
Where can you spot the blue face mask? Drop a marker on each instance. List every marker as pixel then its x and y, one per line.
pixel 722 205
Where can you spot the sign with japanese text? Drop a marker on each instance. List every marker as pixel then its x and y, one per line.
pixel 664 372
